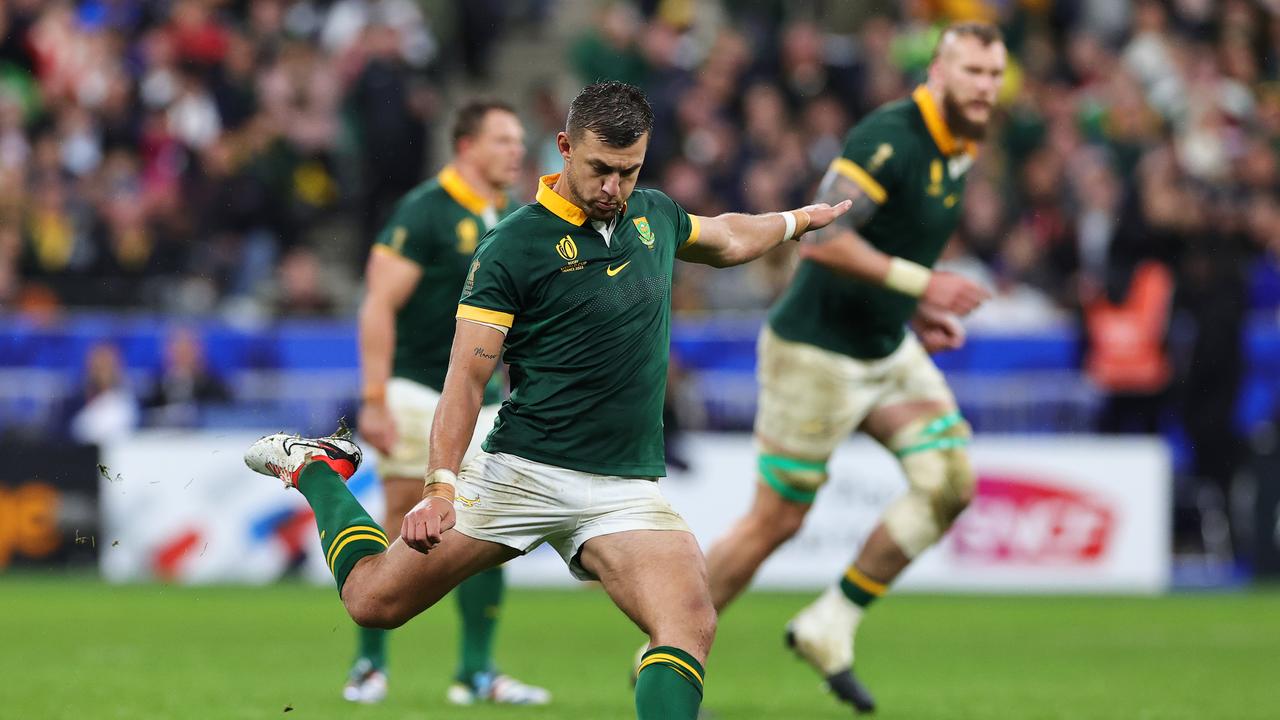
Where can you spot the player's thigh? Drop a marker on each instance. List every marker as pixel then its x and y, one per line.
pixel 915 391
pixel 810 400
pixel 403 582
pixel 659 579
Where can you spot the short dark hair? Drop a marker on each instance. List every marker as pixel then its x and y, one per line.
pixel 618 113
pixel 986 33
pixel 469 118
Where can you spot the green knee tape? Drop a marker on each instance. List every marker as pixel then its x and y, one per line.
pixel 949 443
pixel 934 436
pixel 769 466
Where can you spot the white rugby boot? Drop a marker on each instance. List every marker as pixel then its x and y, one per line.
pixel 498 689
pixel 284 456
pixel 822 635
pixel 366 685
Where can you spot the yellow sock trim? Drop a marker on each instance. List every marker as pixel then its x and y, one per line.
pixel 670 660
pixel 366 531
pixel 855 576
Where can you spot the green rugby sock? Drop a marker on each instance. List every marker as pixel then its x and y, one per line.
pixel 372 646
pixel 347 533
pixel 479 598
pixel 860 589
pixel 669 685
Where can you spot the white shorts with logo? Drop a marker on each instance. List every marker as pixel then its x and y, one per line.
pixel 413 406
pixel 811 399
pixel 520 503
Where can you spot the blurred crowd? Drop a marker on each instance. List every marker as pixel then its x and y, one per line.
pixel 236 156
pixel 206 155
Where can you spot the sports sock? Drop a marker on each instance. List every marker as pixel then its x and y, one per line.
pixel 669 685
pixel 372 646
pixel 347 533
pixel 479 598
pixel 860 589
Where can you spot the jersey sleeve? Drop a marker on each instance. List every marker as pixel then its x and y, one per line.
pixel 873 160
pixel 686 225
pixel 408 234
pixel 493 291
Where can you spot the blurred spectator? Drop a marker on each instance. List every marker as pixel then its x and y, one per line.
pixel 610 49
pixel 301 285
pixel 107 410
pixel 184 384
pixel 390 108
pixel 1127 357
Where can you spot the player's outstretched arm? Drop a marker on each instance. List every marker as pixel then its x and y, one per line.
pixel 735 238
pixel 389 280
pixel 476 348
pixel 840 247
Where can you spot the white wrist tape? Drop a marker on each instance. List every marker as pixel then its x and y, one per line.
pixel 907 277
pixel 789 218
pixel 441 476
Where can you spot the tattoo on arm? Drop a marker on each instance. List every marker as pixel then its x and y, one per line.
pixel 479 352
pixel 836 188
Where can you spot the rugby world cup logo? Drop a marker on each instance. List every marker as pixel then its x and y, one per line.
pixel 567 249
pixel 646 232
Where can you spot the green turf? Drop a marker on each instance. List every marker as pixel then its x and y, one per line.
pixel 82 649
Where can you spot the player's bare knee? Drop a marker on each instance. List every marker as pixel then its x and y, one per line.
pixel 371 610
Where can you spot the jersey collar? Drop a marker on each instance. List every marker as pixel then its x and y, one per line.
pixel 463 194
pixel 556 203
pixel 937 125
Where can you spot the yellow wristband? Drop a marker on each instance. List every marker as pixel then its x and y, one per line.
pixel 907 277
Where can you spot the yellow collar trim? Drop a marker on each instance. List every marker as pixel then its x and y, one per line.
pixel 463 194
pixel 556 203
pixel 938 125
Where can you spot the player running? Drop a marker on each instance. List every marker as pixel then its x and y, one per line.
pixel 577 288
pixel 835 356
pixel 413 279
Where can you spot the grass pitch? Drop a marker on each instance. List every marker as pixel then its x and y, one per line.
pixel 78 648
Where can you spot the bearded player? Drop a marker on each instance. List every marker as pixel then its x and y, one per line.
pixel 835 356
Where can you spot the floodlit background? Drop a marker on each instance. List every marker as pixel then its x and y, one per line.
pixel 188 192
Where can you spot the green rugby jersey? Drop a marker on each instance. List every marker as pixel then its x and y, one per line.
pixel 589 329
pixel 906 160
pixel 438 226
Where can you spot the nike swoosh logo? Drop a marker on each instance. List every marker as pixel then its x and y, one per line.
pixel 611 271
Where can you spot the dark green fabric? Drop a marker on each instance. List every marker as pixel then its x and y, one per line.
pixel 592 328
pixel 924 187
pixel 337 511
pixel 373 646
pixel 479 599
pixel 668 690
pixel 856 594
pixel 430 228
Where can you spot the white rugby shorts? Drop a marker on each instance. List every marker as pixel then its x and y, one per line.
pixel 520 503
pixel 811 399
pixel 412 406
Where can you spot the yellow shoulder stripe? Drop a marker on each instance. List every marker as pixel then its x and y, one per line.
pixel 695 228
pixel 493 317
pixel 670 660
pixel 854 172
